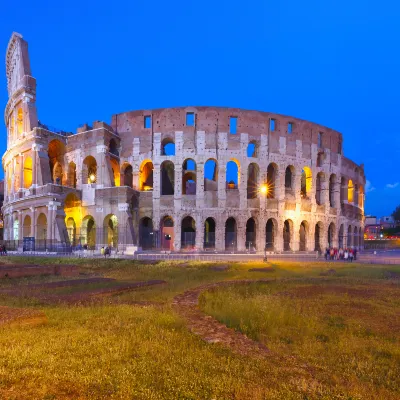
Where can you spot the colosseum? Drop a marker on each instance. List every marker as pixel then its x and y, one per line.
pixel 203 178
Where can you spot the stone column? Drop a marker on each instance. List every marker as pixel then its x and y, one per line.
pixel 21 171
pixel 243 187
pixel 241 235
pixel 13 177
pixel 220 234
pixel 278 239
pixel 221 185
pixel 178 187
pixel 200 185
pixel 199 232
pixel 260 226
pixel 177 231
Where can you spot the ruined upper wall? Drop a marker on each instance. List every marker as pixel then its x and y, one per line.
pixel 216 119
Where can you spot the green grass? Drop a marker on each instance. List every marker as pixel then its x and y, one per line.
pixel 347 347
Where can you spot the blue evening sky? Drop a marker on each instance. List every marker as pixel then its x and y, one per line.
pixel 334 62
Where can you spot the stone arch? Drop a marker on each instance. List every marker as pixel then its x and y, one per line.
pixel 230 234
pixel 287 235
pixel 72 174
pixel 116 177
pixel 350 191
pixel 289 177
pixel 349 236
pixel 146 234
pixel 110 226
pixel 253 176
pixel 341 236
pixel 16 229
pixel 188 232
pixel 189 180
pixel 319 195
pixel 209 233
pixel 168 147
pixel 252 149
pixel 89 170
pixel 318 234
pixel 146 176
pixel 27 227
pixel 232 174
pixel 127 173
pixel 41 227
pixel 71 230
pixel 331 235
pixel 211 175
pixel 113 147
pixel 343 190
pixel 332 188
pixel 272 175
pixel 56 153
pixel 306 182
pixel 28 172
pixel 271 228
pixel 167 233
pixel 88 231
pixel 167 178
pixel 303 235
pixel 251 234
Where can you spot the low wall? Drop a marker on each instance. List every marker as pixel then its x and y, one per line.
pixel 19 271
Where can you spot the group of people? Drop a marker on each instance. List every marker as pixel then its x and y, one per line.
pixel 340 254
pixel 105 251
pixel 3 250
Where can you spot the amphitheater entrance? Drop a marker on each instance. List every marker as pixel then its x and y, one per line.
pixel 303 236
pixel 146 233
pixel 41 232
pixel 287 235
pixel 188 233
pixel 209 233
pixel 270 235
pixel 111 230
pixel 167 178
pixel 167 233
pixel 146 176
pixel 349 237
pixel 89 231
pixel 230 234
pixel 189 177
pixel 71 231
pixel 251 235
pixel 341 234
pixel 331 234
pixel 27 228
pixel 317 237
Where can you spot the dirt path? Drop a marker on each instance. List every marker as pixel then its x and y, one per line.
pixel 21 316
pixel 209 329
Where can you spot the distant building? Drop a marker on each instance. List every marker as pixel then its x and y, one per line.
pixel 388 222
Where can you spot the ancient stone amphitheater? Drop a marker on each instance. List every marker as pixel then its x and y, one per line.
pixel 177 178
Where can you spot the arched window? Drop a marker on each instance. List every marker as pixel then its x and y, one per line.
pixel 56 152
pixel 251 235
pixel 189 177
pixel 27 227
pixel 72 174
pixel 209 233
pixel 361 198
pixel 319 188
pixel 27 172
pixel 88 231
pixel 287 235
pixel 168 147
pixel 146 234
pixel 252 149
pixel 318 236
pixel 289 174
pixel 350 191
pixel 167 178
pixel 115 171
pixel 270 233
pixel 232 174
pixel 167 233
pixel 188 233
pixel 111 230
pixel 303 233
pixel 272 172
pixel 332 184
pixel 20 121
pixel 211 175
pixel 306 182
pixel 89 170
pixel 128 175
pixel 253 173
pixel 230 234
pixel 331 234
pixel 146 176
pixel 113 147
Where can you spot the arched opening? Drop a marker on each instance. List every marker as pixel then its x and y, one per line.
pixel 270 231
pixel 113 147
pixel 72 174
pixel 27 227
pixel 41 232
pixel 355 237
pixel 341 237
pixel 319 189
pixel 111 230
pixel 146 176
pixel 349 236
pixel 272 172
pixel 20 121
pixel 16 229
pixel 72 207
pixel 361 198
pixel 317 237
pixel 88 232
pixel 115 171
pixel 232 174
pixel 355 196
pixel 209 233
pixel 127 175
pixel 230 234
pixel 167 178
pixel 331 234
pixel 168 147
pixel 146 233
pixel 251 235
pixel 188 233
pixel 71 231
pixel 252 149
pixel 350 192
pixel 253 173
pixel 89 170
pixel 306 182
pixel 287 235
pixel 303 236
pixel 56 152
pixel 289 174
pixel 343 190
pixel 189 177
pixel 167 233
pixel 27 172
pixel 332 183
pixel 211 175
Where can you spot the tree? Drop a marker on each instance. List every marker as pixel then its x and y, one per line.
pixel 396 214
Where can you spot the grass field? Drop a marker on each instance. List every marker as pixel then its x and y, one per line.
pixel 331 337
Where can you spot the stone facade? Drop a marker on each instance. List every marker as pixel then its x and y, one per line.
pixel 117 184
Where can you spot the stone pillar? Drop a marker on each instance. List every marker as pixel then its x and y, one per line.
pixel 220 234
pixel 177 232
pixel 13 177
pixel 35 160
pixel 20 226
pixel 241 234
pixel 295 237
pixel 103 178
pixel 21 171
pixel 199 232
pixel 278 239
pixel 260 224
pixel 33 221
pixel 200 186
pixel 178 187
pixel 243 187
pixel 221 185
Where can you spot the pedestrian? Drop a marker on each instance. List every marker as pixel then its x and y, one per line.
pixel 102 251
pixel 332 253
pixel 346 255
pixel 326 254
pixel 351 255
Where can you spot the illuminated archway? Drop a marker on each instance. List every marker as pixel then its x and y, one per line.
pixel 88 231
pixel 253 174
pixel 306 182
pixel 287 235
pixel 350 191
pixel 111 230
pixel 41 228
pixel 89 170
pixel 209 233
pixel 72 174
pixel 71 230
pixel 27 227
pixel 303 234
pixel 146 176
pixel 27 172
pixel 56 152
pixel 20 121
pixel 272 174
pixel 115 170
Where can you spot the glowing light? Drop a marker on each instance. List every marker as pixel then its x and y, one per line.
pixel 92 177
pixel 264 189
